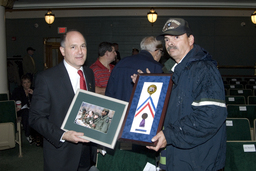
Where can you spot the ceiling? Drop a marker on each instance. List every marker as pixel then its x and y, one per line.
pixel 54 4
pixel 81 8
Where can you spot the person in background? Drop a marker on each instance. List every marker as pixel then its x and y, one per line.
pixel 103 67
pixel 119 84
pixel 54 91
pixel 24 94
pixel 28 63
pixel 135 51
pixel 118 56
pixel 194 131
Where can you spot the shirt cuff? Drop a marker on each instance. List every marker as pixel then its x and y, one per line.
pixel 61 140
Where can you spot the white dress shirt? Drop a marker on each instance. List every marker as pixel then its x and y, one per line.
pixel 73 76
pixel 75 80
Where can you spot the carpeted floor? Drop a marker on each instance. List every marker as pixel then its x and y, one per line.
pixel 32 159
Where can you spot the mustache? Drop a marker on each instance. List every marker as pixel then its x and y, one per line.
pixel 171 47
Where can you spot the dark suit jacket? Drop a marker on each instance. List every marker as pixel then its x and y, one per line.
pixel 52 97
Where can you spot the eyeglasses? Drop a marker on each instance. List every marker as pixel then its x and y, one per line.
pixel 161 50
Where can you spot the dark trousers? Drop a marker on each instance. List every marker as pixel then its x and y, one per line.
pixel 84 163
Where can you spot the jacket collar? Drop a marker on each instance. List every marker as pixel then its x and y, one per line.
pixel 195 54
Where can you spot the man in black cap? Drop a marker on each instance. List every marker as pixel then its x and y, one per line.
pixel 194 131
pixel 28 63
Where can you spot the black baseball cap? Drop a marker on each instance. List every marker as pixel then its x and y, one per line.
pixel 175 27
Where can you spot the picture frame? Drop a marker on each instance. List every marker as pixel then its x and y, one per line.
pixel 82 117
pixel 146 111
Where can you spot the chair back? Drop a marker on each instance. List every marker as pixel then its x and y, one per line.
pixel 8 112
pixel 10 127
pixel 242 111
pixel 238 82
pixel 238 129
pixel 241 92
pixel 235 100
pixel 233 86
pixel 3 96
pixel 240 156
pixel 251 99
pixel 250 86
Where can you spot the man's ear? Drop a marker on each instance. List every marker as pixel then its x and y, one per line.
pixel 191 40
pixel 62 51
pixel 106 53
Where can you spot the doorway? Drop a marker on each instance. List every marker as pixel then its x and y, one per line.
pixel 52 52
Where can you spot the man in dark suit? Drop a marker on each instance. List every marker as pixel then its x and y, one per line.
pixel 53 94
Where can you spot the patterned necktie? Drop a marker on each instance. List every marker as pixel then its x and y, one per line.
pixel 82 80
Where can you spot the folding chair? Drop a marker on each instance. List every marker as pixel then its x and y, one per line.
pixel 235 100
pixel 234 79
pixel 250 86
pixel 251 99
pixel 242 111
pixel 240 155
pixel 250 79
pixel 238 82
pixel 233 86
pixel 241 92
pixel 3 96
pixel 226 92
pixel 225 82
pixel 238 129
pixel 254 129
pixel 251 82
pixel 10 128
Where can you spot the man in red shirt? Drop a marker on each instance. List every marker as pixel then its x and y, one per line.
pixel 102 67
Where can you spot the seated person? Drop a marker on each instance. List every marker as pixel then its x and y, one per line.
pixel 24 93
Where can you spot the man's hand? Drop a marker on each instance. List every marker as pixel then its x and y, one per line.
pixel 161 141
pixel 74 137
pixel 134 76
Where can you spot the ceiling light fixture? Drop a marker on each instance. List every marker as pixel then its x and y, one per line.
pixel 152 16
pixel 253 17
pixel 49 17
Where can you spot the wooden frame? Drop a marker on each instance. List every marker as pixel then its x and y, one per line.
pixel 147 107
pixel 78 117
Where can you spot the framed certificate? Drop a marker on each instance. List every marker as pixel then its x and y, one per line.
pixel 147 107
pixel 99 117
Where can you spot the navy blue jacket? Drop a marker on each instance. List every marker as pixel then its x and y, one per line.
pixel 120 84
pixel 194 126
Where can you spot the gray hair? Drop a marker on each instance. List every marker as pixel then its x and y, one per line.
pixel 150 44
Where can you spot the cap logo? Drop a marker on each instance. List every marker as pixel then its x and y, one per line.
pixel 171 24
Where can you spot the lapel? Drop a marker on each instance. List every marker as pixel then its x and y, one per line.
pixel 65 80
pixel 88 78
